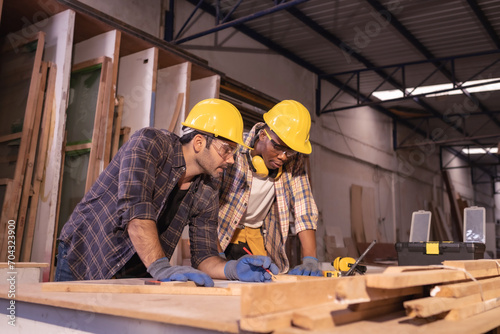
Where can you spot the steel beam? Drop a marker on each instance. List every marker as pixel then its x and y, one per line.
pixel 235 22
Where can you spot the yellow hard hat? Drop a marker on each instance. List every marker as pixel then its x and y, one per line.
pixel 217 117
pixel 291 121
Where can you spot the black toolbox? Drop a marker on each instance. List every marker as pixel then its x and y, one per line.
pixel 433 252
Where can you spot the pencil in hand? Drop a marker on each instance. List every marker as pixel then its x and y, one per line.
pixel 273 277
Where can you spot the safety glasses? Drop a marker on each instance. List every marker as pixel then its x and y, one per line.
pixel 280 149
pixel 224 148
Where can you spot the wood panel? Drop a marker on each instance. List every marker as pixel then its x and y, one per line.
pixel 201 89
pixel 170 289
pixel 357 228
pixel 86 124
pixel 43 141
pixel 137 85
pixel 10 207
pixel 170 82
pixel 26 194
pixel 59 30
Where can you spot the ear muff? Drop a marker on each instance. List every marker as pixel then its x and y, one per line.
pixel 260 168
pixel 343 263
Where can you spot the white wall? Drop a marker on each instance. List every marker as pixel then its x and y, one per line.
pixel 150 17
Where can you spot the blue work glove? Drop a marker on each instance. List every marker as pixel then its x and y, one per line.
pixel 309 267
pixel 161 270
pixel 250 268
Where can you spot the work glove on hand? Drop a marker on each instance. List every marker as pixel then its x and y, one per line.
pixel 163 271
pixel 250 268
pixel 309 267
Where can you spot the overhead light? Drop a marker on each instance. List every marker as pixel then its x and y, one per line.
pixel 427 91
pixel 479 150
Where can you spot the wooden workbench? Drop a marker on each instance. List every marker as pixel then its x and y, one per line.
pixel 277 307
pixel 43 312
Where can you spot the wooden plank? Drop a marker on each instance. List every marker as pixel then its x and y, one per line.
pixel 352 249
pixel 357 228
pixel 399 323
pixel 465 289
pixel 171 81
pixel 112 95
pixel 31 156
pixel 356 290
pixel 370 224
pixel 342 317
pixel 409 279
pixel 477 268
pixel 437 229
pixel 213 313
pixel 10 137
pixel 446 228
pixel 58 49
pixel 329 315
pixel 467 311
pixel 178 107
pixel 78 147
pixel 455 211
pixel 87 63
pixel 58 211
pixel 267 323
pixel 118 124
pixel 316 317
pixel 49 109
pixel 261 299
pixel 125 132
pixel 430 306
pixel 137 84
pixel 99 124
pixel 103 119
pixel 158 289
pixel 5 181
pixel 205 88
pixel 10 212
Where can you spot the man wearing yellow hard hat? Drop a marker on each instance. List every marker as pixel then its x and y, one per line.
pixel 130 221
pixel 266 187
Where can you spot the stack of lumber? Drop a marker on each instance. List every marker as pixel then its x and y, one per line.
pixel 325 303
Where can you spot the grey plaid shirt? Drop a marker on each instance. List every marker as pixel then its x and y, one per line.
pixel 136 184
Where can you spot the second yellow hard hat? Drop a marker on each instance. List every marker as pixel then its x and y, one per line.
pixel 291 121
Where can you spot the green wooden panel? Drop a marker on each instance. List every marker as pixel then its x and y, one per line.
pixel 84 89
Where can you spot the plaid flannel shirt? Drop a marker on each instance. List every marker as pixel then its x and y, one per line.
pixel 293 196
pixel 136 185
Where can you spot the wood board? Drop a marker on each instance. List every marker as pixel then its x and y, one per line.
pixel 170 82
pixel 171 289
pixel 357 228
pixel 465 289
pixel 59 30
pixel 11 203
pixel 136 83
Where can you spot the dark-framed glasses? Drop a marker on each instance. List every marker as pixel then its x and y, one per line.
pixel 280 149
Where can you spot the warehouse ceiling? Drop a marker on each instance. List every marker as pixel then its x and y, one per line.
pixel 362 47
